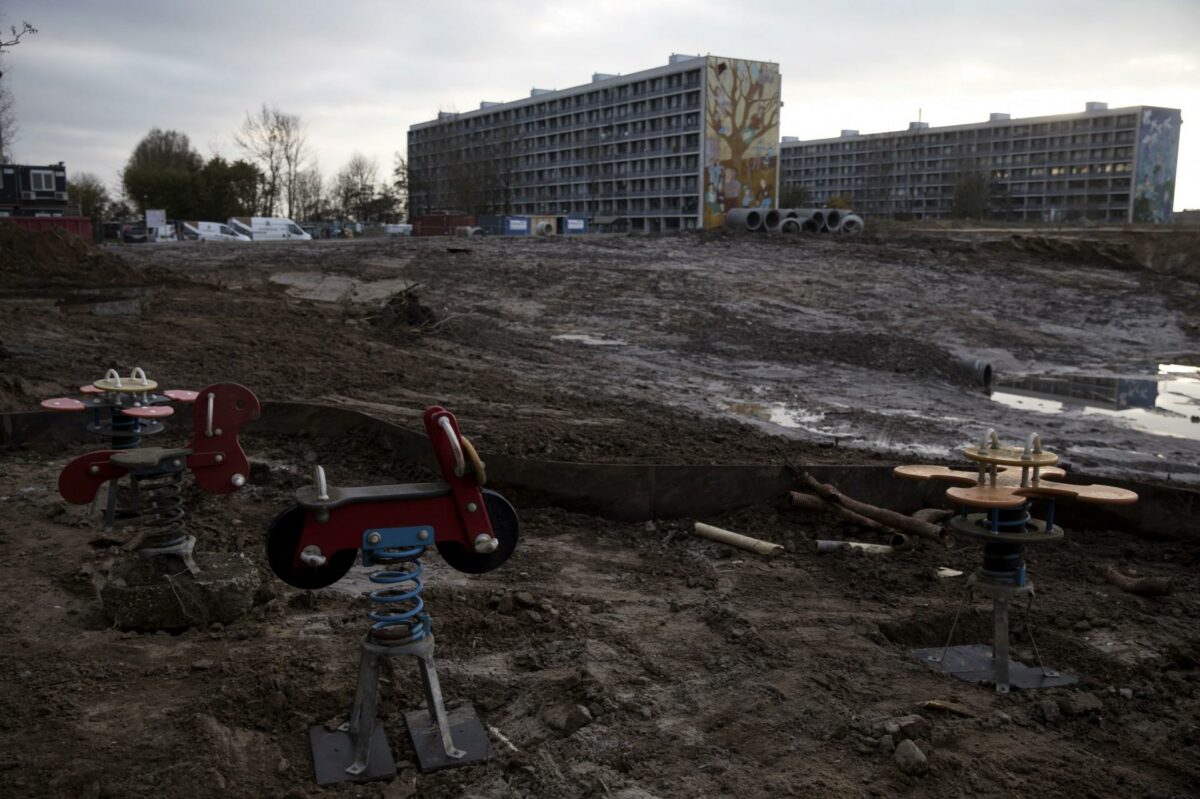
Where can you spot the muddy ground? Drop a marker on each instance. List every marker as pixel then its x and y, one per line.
pixel 701 671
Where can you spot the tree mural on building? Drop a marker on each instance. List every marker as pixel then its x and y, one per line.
pixel 742 136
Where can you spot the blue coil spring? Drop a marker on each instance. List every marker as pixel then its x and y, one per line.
pixel 401 617
pixel 1013 521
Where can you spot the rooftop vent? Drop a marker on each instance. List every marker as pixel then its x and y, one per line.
pixel 599 76
pixel 538 92
pixel 999 117
pixel 848 133
pixel 1095 106
pixel 487 104
pixel 918 125
pixel 789 139
pixel 678 58
pixel 447 115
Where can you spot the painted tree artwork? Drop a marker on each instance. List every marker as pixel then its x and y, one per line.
pixel 1158 155
pixel 742 137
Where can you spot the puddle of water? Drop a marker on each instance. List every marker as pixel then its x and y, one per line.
pixel 780 414
pixel 593 341
pixel 1167 404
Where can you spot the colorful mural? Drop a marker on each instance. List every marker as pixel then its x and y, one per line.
pixel 1157 156
pixel 741 137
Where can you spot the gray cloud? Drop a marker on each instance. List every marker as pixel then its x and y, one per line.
pixel 98 76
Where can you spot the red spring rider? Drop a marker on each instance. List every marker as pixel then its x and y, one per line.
pixel 314 543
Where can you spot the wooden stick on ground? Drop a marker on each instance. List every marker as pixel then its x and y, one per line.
pixel 889 518
pixel 1144 586
pixel 809 502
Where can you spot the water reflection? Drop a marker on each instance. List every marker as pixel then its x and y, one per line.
pixel 1166 404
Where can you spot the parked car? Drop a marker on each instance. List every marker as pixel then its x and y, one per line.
pixel 133 233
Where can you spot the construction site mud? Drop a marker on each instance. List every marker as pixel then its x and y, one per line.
pixel 614 659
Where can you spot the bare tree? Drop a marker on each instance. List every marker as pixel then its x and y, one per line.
pixel 90 194
pixel 400 181
pixel 275 141
pixel 307 194
pixel 8 123
pixel 17 34
pixel 354 186
pixel 8 114
pixel 295 154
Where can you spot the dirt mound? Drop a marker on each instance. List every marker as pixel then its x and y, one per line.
pixel 1082 251
pixel 31 259
pixel 404 311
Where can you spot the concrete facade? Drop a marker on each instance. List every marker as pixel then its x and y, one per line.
pixel 1109 165
pixel 638 152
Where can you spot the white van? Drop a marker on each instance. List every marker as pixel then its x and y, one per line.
pixel 268 228
pixel 211 231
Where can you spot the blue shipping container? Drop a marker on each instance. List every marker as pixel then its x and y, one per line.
pixel 516 226
pixel 491 224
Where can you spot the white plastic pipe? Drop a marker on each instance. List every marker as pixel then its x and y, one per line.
pixel 737 540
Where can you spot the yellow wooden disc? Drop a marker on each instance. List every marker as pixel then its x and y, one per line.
pixel 985 496
pixel 1010 456
pixel 128 385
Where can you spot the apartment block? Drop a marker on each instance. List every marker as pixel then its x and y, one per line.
pixel 668 148
pixel 1109 165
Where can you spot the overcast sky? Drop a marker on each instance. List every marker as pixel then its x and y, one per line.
pixel 99 75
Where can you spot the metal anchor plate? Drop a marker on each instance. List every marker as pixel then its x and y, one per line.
pixel 333 753
pixel 465 728
pixel 974 663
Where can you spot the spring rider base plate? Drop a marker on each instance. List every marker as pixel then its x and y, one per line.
pixel 974 663
pixel 469 736
pixel 333 752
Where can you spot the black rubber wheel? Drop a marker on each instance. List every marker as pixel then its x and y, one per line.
pixel 283 538
pixel 505 526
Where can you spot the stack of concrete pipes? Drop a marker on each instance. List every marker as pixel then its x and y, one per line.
pixel 794 220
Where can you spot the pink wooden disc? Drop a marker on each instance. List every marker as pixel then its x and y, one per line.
pixel 182 394
pixel 149 411
pixel 63 404
pixel 90 389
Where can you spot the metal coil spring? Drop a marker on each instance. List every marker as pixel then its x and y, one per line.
pixel 401 617
pixel 160 509
pixel 1010 521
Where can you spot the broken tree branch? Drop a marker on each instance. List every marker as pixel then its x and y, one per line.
pixel 809 502
pixel 889 518
pixel 1143 586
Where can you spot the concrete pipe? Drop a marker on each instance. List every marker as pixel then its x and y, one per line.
pixel 545 228
pixel 790 213
pixel 975 370
pixel 789 226
pixel 818 217
pixel 833 218
pixel 852 225
pixel 809 226
pixel 771 220
pixel 747 219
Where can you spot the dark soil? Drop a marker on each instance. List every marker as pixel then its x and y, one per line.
pixel 693 670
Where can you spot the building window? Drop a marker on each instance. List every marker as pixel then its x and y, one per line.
pixel 41 180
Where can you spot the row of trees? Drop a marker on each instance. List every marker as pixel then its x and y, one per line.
pixel 276 175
